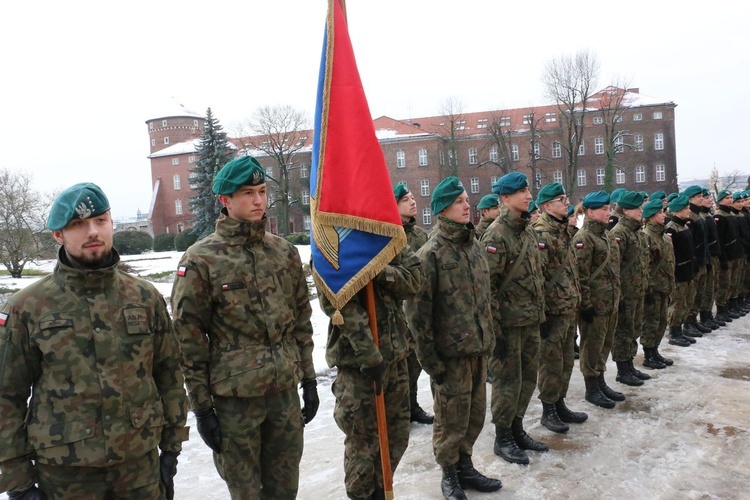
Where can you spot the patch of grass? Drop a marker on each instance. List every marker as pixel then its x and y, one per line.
pixel 26 272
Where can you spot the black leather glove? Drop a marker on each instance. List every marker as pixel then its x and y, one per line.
pixel 545 329
pixel 168 469
pixel 208 428
pixel 375 373
pixel 32 493
pixel 587 314
pixel 439 378
pixel 310 399
pixel 501 350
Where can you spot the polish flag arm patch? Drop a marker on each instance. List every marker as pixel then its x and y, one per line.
pixel 181 271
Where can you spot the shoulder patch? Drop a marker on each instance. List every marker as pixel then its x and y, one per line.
pixel 3 319
pixel 542 245
pixel 491 249
pixel 579 244
pixel 181 271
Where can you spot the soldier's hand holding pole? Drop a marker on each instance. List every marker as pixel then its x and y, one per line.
pixel 168 469
pixel 310 398
pixel 208 428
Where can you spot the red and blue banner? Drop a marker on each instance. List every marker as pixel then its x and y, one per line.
pixel 356 227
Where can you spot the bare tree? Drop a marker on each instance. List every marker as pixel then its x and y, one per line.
pixel 280 132
pixel 452 110
pixel 23 216
pixel 568 80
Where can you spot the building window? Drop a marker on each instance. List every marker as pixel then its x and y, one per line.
pixel 619 144
pixel 556 149
pixel 472 156
pixel 661 173
pixel 424 187
pixel 303 172
pixel 581 177
pixel 640 174
pixel 191 159
pixel 619 176
pixel 175 161
pixel 493 154
pixel 164 123
pixel 514 152
pixel 400 159
pixel 599 176
pixel 474 185
pixel 599 145
pixel 422 157
pixel 581 149
pixel 493 180
pixel 178 207
pixel 557 176
pixel 269 172
pixel 153 142
pixel 176 181
pixel 657 115
pixel 166 140
pixel 638 142
pixel 598 120
pixel 658 141
pixel 426 216
pixel 637 117
pixel 536 149
pixel 308 222
pixel 305 197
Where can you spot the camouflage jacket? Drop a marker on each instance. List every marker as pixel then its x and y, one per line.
pixel 684 249
pixel 242 314
pixel 450 315
pixel 521 302
pixel 484 223
pixel 601 292
pixel 96 352
pixel 634 257
pixel 558 265
pixel 415 235
pixel 351 344
pixel 661 259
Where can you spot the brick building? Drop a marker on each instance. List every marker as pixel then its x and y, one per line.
pixel 477 147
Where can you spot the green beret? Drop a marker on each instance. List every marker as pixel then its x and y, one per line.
pixel 652 208
pixel 571 209
pixel 615 196
pixel 550 192
pixel 672 196
pixel 445 193
pixel 532 207
pixel 630 199
pixel 81 201
pixel 488 201
pixel 400 191
pixel 510 183
pixel 723 194
pixel 658 195
pixel 693 191
pixel 242 171
pixel 596 200
pixel 737 195
pixel 678 203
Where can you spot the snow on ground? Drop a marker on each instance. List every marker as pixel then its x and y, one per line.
pixel 683 435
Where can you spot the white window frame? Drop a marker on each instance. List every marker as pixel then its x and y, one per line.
pixel 598 145
pixel 581 177
pixel 472 156
pixel 474 183
pixel 424 187
pixel 660 171
pixel 422 157
pixel 426 216
pixel 400 159
pixel 658 141
pixel 176 182
pixel 599 176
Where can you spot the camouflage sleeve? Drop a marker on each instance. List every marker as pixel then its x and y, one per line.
pixel 403 277
pixel 584 255
pixel 18 370
pixel 303 330
pixel 169 381
pixel 191 310
pixel 419 312
pixel 356 329
pixel 496 255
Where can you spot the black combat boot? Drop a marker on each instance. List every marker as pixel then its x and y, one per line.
pixel 666 361
pixel 523 440
pixel 690 330
pixel 625 376
pixel 595 395
pixel 708 320
pixel 470 478
pixel 635 371
pixel 418 415
pixel 450 486
pixel 650 360
pixel 551 420
pixel 568 416
pixel 700 326
pixel 507 448
pixel 608 391
pixel 722 316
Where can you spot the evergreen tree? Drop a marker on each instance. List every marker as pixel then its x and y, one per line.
pixel 213 153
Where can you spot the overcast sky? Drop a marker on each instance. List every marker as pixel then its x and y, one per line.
pixel 79 79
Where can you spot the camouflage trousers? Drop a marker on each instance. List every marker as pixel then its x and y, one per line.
pixel 261 445
pixel 724 282
pixel 628 329
pixel 515 376
pixel 415 370
pixel 138 478
pixel 596 343
pixel 708 293
pixel 700 281
pixel 460 407
pixel 678 303
pixel 655 311
pixel 355 415
pixel 556 357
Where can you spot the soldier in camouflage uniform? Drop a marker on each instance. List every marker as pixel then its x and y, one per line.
pixel 731 252
pixel 562 296
pixel 450 317
pixel 415 238
pixel 684 256
pixel 95 349
pixel 242 316
pixel 633 245
pixel 598 260
pixel 517 309
pixel 489 208
pixel 660 283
